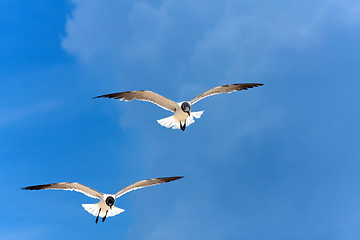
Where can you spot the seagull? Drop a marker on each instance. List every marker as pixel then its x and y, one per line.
pixel 105 207
pixel 182 116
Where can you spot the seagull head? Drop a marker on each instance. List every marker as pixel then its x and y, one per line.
pixel 185 107
pixel 110 201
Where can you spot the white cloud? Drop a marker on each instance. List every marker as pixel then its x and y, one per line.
pixel 199 41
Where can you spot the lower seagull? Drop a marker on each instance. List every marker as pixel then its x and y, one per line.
pixel 105 207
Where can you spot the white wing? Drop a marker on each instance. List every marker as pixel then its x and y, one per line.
pixel 225 89
pixel 143 95
pixel 145 183
pixel 71 186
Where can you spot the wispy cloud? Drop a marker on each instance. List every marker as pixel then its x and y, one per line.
pixel 25 233
pixel 17 114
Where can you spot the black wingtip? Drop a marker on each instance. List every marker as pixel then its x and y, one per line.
pixel 252 85
pixel 256 85
pixel 38 187
pixel 31 188
pixel 169 179
pixel 110 95
pixel 175 178
pixel 98 97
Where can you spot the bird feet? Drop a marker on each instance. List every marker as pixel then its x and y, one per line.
pixel 182 127
pixel 103 219
pixel 97 218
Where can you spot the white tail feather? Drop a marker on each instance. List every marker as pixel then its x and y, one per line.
pixel 94 210
pixel 172 122
pixel 193 115
pixel 91 208
pixel 114 211
pixel 169 122
pixel 196 114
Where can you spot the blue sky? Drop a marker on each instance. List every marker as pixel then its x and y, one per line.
pixel 277 162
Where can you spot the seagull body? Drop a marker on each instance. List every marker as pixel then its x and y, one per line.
pixel 181 119
pixel 105 207
pixel 183 116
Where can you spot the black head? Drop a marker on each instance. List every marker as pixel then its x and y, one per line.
pixel 185 107
pixel 110 201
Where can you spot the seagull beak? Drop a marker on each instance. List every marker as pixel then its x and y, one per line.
pixel 188 112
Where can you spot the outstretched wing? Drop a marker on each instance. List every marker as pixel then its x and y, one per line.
pixel 145 183
pixel 144 95
pixel 71 186
pixel 225 89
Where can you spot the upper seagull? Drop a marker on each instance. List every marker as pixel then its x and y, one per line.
pixel 105 207
pixel 183 116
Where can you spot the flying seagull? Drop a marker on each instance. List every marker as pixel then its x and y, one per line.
pixel 105 207
pixel 183 116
